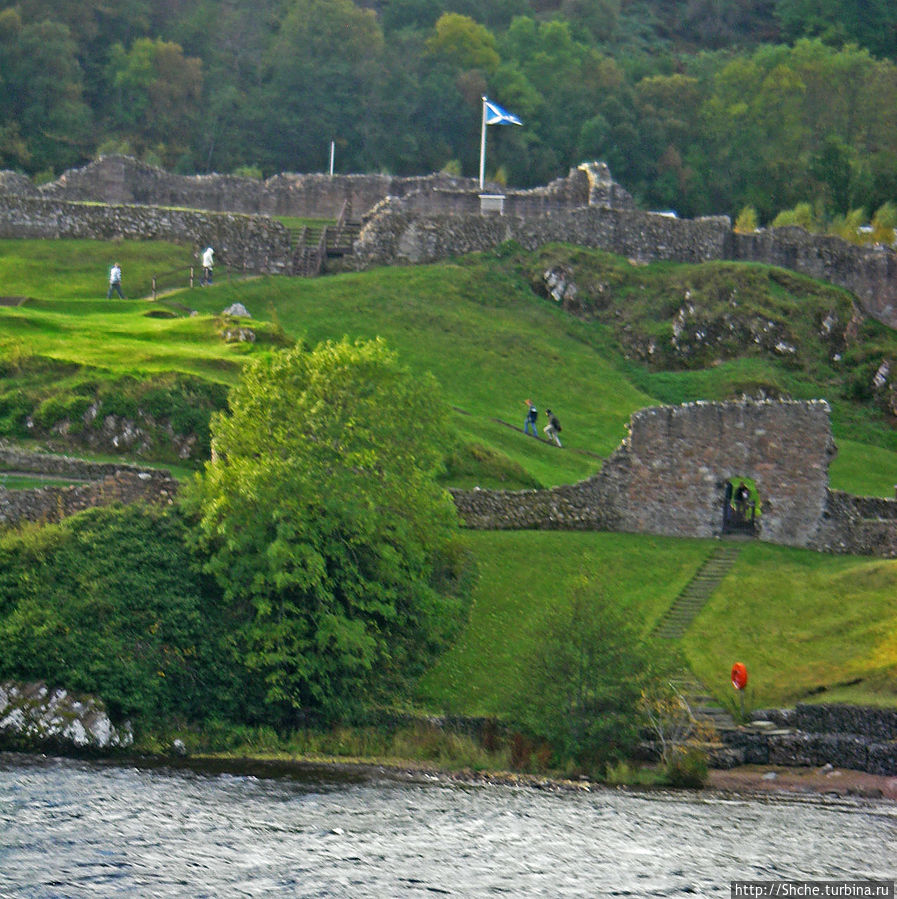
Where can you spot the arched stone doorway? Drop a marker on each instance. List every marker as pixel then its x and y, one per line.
pixel 741 507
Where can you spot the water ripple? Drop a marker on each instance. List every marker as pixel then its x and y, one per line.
pixel 76 829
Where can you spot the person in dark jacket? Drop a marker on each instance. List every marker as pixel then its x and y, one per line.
pixel 553 428
pixel 529 423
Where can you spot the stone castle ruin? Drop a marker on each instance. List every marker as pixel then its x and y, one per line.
pixel 672 474
pixel 669 477
pixel 410 220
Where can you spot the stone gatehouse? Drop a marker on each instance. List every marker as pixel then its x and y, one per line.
pixel 670 476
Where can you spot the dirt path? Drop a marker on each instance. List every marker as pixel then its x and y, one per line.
pixel 826 781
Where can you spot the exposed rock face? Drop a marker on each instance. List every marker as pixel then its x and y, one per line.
pixel 33 716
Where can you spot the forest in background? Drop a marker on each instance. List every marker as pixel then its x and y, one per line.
pixel 701 106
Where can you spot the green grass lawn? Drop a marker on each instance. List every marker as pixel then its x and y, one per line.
pixel 800 621
pixel 67 269
pixel 809 627
pixel 523 577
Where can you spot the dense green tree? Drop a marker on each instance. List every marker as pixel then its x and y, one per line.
pixel 321 82
pixel 869 23
pixel 44 121
pixel 586 678
pixel 111 602
pixel 323 523
pixel 157 91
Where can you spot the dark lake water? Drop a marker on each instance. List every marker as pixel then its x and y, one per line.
pixel 84 829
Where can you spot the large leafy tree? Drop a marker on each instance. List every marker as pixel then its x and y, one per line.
pixel 157 92
pixel 325 526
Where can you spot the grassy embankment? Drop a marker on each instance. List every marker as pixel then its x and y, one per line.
pixel 800 621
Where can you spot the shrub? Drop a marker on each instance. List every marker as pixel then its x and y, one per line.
pixel 687 769
pixel 584 685
pixel 111 602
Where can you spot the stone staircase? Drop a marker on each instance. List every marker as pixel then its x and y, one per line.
pixel 676 620
pixel 315 243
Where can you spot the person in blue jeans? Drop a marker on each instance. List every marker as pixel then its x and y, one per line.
pixel 114 281
pixel 529 424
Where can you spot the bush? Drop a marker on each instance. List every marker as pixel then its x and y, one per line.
pixel 585 683
pixel 687 769
pixel 110 602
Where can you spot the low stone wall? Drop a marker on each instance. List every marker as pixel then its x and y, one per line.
pixel 856 737
pixel 250 243
pixel 13 458
pixel 859 525
pixel 47 505
pixel 393 234
pixel 584 506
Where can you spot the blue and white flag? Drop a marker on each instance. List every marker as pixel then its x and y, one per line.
pixel 496 115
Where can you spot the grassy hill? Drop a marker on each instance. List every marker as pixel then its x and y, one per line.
pixel 800 621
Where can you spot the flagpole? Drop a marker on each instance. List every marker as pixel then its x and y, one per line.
pixel 483 146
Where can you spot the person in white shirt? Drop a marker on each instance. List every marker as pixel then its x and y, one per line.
pixel 114 281
pixel 208 260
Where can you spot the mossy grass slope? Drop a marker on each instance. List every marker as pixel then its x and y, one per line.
pixel 800 621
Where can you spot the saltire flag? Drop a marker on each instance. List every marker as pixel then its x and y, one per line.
pixel 497 115
pixel 493 114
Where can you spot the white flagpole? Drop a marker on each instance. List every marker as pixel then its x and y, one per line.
pixel 483 147
pixel 332 154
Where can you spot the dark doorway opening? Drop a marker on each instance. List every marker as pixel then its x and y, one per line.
pixel 741 507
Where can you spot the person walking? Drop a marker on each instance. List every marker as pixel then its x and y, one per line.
pixel 114 281
pixel 208 262
pixel 553 428
pixel 529 423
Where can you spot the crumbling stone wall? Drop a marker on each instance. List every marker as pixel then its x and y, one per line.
pixel 669 475
pixel 433 217
pixel 252 243
pixel 106 483
pixel 392 235
pixel 121 180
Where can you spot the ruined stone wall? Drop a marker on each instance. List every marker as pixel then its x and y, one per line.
pixel 433 217
pixel 251 243
pixel 681 457
pixel 393 234
pixel 121 180
pixel 107 483
pixel 51 504
pixel 857 524
pixel 669 475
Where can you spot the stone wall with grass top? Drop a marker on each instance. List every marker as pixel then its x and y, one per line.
pixel 252 243
pixel 104 484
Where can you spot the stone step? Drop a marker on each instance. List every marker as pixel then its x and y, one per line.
pixel 694 595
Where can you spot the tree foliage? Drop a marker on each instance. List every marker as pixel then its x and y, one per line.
pixel 111 602
pixel 586 681
pixel 703 107
pixel 324 525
